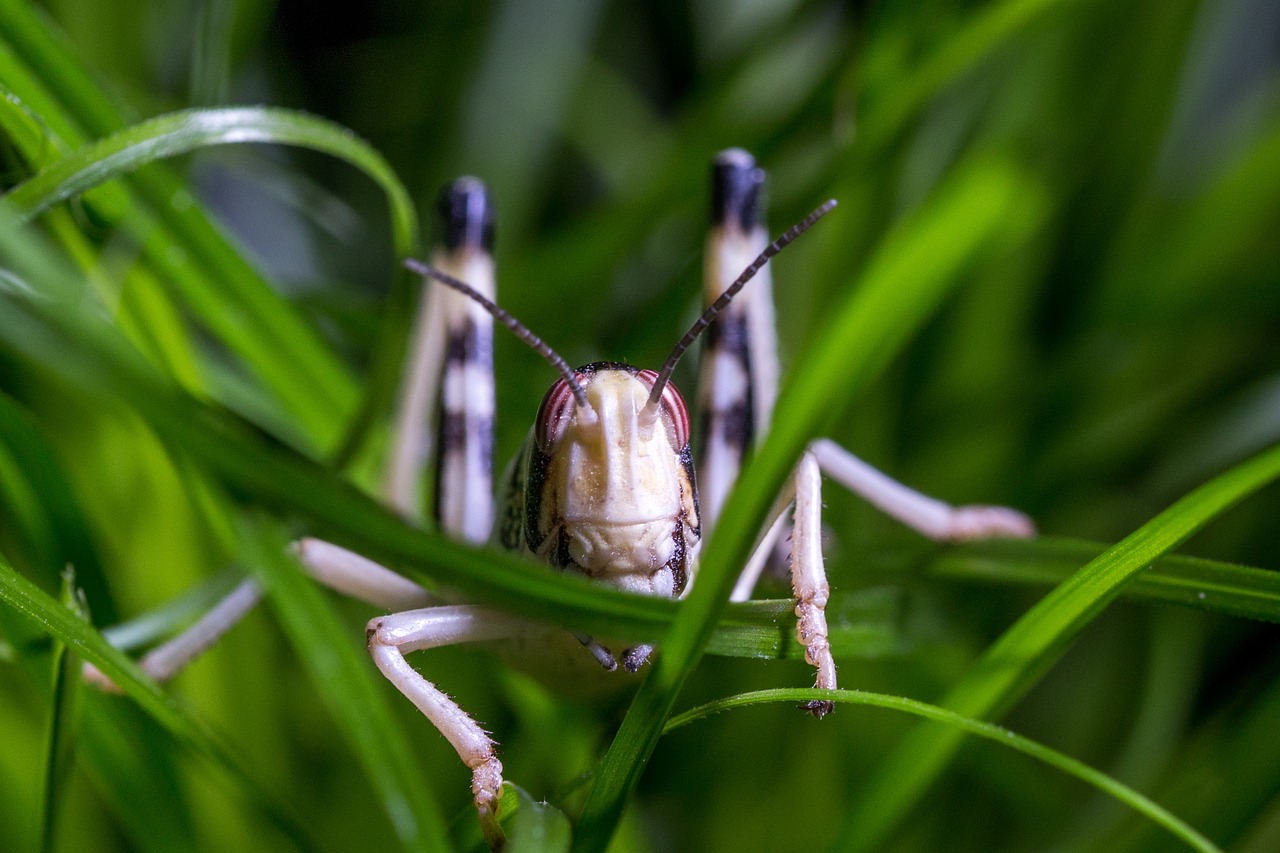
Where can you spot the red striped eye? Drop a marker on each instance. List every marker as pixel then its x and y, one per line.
pixel 674 412
pixel 554 414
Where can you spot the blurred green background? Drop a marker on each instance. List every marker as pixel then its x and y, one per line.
pixel 1113 343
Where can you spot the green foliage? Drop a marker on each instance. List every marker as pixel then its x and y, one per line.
pixel 1051 282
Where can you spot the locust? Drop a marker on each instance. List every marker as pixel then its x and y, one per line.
pixel 612 482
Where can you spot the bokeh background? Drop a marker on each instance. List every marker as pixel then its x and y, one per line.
pixel 1115 344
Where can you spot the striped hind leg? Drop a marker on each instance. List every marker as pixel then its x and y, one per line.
pixel 738 384
pixel 451 353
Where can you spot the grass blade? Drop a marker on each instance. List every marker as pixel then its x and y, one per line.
pixel 1190 581
pixel 81 639
pixel 190 130
pixel 180 244
pixel 64 714
pixel 345 681
pixel 965 725
pixel 1035 642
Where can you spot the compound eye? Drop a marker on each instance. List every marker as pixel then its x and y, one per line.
pixel 674 414
pixel 554 415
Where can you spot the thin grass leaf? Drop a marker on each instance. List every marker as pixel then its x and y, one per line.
pixel 909 279
pixel 191 130
pixel 38 608
pixel 41 508
pixel 1022 655
pixel 22 128
pixel 1190 581
pixel 64 715
pixel 345 681
pixel 179 241
pixel 182 132
pixel 965 725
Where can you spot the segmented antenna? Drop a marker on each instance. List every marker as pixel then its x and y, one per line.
pixel 714 309
pixel 522 332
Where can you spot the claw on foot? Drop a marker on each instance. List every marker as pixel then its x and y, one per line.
pixel 818 707
pixel 486 787
pixel 636 657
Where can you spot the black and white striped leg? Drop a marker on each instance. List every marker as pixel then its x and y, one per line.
pixel 452 349
pixel 391 637
pixel 413 431
pixel 739 372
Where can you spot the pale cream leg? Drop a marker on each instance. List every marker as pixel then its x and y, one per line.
pixel 390 637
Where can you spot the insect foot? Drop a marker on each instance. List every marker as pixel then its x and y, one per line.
pixel 636 657
pixel 811 631
pixel 486 787
pixel 809 581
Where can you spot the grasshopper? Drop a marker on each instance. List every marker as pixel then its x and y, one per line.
pixel 605 484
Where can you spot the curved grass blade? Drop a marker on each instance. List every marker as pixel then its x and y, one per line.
pixel 965 725
pixel 181 245
pixel 344 680
pixel 189 130
pixel 80 638
pixel 908 279
pixel 1190 581
pixel 23 128
pixel 1026 651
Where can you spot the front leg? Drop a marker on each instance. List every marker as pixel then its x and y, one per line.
pixel 390 637
pixel 809 580
pixel 808 572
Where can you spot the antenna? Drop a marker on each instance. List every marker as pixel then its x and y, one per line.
pixel 522 331
pixel 714 309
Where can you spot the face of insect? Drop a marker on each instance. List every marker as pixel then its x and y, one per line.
pixel 612 486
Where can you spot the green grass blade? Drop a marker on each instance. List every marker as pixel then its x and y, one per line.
pixel 961 725
pixel 190 130
pixel 41 508
pixel 1035 642
pixel 917 267
pixel 44 612
pixel 64 714
pixel 134 765
pixel 343 678
pixel 1191 581
pixel 181 245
